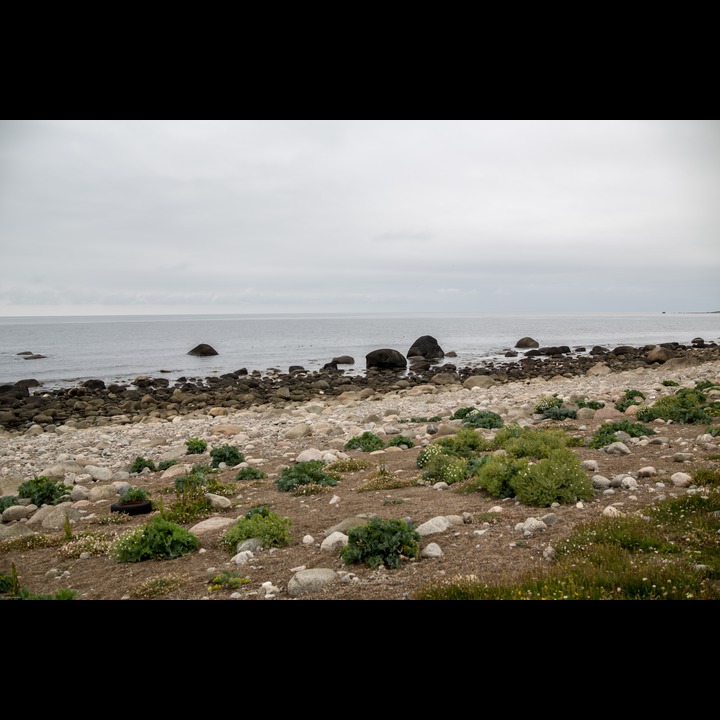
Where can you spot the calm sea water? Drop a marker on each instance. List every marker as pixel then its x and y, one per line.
pixel 119 348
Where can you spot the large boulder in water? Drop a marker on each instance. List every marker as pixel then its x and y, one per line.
pixel 427 347
pixel 203 350
pixel 527 342
pixel 386 359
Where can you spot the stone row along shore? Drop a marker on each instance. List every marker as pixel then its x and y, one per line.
pixel 102 451
pixel 26 408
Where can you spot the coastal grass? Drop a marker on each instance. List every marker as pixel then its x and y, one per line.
pixel 670 551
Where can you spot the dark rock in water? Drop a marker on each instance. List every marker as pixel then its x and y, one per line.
pixel 426 347
pixel 580 348
pixel 94 384
pixel 26 352
pixel 33 357
pixel 698 342
pixel 623 350
pixel 115 388
pixel 419 365
pixel 344 360
pixel 511 353
pixel 386 359
pixel 527 342
pixel 296 368
pixel 599 350
pixel 203 350
pixel 29 383
pixel 330 366
pixel 452 353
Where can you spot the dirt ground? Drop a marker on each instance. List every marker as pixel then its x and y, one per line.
pixel 492 551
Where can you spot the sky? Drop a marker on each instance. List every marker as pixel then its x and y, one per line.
pixel 105 217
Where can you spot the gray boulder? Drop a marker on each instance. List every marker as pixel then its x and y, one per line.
pixel 203 350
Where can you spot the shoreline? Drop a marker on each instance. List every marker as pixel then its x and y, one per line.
pixel 27 407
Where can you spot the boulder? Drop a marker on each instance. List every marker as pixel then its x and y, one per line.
pixel 203 350
pixel 386 359
pixel 658 355
pixel 527 342
pixel 427 347
pixel 343 360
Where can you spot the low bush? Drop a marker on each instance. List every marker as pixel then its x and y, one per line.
pixel 270 528
pixel 545 402
pixel 309 473
pixel 483 419
pixel 7 501
pixel 495 475
pixel 449 469
pixel 250 473
pixel 157 540
pixel 427 453
pixel 556 478
pixel 530 442
pixel 140 463
pixel 196 446
pixel 606 433
pixel 558 413
pixel 686 406
pixel 367 442
pixel 631 397
pixel 43 491
pixel 381 542
pixel 464 443
pixel 228 454
pixel 135 494
pixel 400 440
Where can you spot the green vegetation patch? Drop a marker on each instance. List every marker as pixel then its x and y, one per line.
pixel 270 528
pixel 381 542
pixel 158 539
pixel 309 473
pixel 606 434
pixel 227 454
pixel 43 491
pixel 367 442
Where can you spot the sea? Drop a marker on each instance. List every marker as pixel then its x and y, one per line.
pixel 119 348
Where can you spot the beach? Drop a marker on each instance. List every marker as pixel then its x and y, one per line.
pixel 92 456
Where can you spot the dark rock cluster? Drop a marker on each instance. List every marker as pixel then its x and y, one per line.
pixel 94 403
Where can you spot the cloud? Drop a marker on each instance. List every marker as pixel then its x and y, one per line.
pixel 253 216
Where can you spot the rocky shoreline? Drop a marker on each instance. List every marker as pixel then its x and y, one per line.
pixel 26 408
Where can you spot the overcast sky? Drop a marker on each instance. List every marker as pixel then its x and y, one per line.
pixel 268 216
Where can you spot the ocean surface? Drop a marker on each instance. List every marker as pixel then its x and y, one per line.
pixel 119 348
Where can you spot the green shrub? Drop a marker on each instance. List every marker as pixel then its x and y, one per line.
pixel 159 539
pixel 43 491
pixel 592 404
pixel 669 383
pixel 686 406
pixel 464 443
pixel 427 453
pixel 446 468
pixel 165 464
pixel 483 419
pixel 250 473
pixel 310 472
pixel 463 412
pixel 605 434
pixel 556 478
pixel 198 476
pixel 495 475
pixel 558 413
pixel 270 528
pixel 367 442
pixel 399 440
pixel 140 463
pixel 545 402
pixel 228 454
pixel 135 494
pixel 196 446
pixel 529 442
pixel 631 397
pixel 381 542
pixel 7 501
